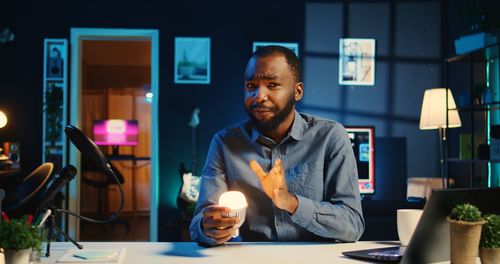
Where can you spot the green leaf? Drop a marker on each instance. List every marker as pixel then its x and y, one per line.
pixel 17 234
pixel 466 212
pixel 490 234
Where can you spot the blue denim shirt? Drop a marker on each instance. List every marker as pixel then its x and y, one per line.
pixel 320 169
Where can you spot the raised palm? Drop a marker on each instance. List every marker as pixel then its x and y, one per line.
pixel 273 182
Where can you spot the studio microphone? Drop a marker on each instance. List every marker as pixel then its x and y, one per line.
pixel 67 174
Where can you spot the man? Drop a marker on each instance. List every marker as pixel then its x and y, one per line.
pixel 311 191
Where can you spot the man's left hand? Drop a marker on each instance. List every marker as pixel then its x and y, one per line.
pixel 274 185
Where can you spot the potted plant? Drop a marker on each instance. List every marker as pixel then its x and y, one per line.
pixel 465 231
pixel 489 246
pixel 17 238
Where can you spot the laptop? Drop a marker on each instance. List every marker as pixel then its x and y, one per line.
pixel 431 239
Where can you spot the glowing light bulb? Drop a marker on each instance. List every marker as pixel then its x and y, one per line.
pixel 233 200
pixel 237 203
pixel 3 119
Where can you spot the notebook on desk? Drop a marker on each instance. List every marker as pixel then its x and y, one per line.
pixel 101 256
pixel 431 239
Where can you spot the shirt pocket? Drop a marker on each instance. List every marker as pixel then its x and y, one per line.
pixel 306 180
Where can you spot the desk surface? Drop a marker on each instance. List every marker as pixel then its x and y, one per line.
pixel 251 253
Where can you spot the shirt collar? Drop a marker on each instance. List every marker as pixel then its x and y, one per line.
pixel 298 127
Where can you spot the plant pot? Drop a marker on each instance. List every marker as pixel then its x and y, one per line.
pixel 21 256
pixel 464 239
pixel 489 255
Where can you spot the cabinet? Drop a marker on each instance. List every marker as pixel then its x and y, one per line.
pixel 55 104
pixel 474 81
pixel 134 162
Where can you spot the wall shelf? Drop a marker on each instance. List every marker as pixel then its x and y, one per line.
pixel 463 74
pixel 55 91
pixel 471 160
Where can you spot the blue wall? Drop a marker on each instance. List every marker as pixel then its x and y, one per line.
pixel 408 61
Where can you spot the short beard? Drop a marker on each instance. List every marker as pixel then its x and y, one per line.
pixel 280 116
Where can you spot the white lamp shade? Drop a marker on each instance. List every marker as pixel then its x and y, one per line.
pixel 3 119
pixel 433 115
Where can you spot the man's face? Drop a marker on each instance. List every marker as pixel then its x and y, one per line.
pixel 270 91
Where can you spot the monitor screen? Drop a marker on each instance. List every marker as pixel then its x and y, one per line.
pixel 116 132
pixel 362 140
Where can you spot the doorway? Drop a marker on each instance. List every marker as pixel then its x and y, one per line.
pixel 114 72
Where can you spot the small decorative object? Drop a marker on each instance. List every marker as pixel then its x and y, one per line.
pixel 489 246
pixel 479 92
pixel 465 232
pixel 495 142
pixel 6 36
pixel 237 202
pixel 17 238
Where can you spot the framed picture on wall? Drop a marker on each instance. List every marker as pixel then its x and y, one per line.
pixel 291 45
pixel 56 55
pixel 356 61
pixel 192 60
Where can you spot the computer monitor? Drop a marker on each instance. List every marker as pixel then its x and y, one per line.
pixel 116 132
pixel 363 144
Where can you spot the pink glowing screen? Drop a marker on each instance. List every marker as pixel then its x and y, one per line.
pixel 116 132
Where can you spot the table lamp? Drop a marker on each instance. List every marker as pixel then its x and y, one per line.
pixel 434 115
pixel 237 203
pixel 3 123
pixel 3 119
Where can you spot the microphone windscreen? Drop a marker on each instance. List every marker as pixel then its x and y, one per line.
pixel 86 146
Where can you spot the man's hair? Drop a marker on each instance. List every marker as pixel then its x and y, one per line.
pixel 291 58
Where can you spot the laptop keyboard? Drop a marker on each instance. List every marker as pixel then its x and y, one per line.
pixel 391 254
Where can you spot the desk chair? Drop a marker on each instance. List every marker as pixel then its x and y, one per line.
pixel 102 185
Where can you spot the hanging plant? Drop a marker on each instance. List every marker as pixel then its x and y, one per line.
pixel 53 112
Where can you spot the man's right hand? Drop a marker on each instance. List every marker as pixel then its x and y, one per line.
pixel 217 227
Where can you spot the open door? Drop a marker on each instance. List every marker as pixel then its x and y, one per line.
pixel 99 90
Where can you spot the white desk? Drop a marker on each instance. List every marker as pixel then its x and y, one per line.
pixel 251 253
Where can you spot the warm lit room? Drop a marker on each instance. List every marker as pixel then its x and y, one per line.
pixel 333 131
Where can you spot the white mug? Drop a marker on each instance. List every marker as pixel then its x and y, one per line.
pixel 407 222
pixel 2 259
